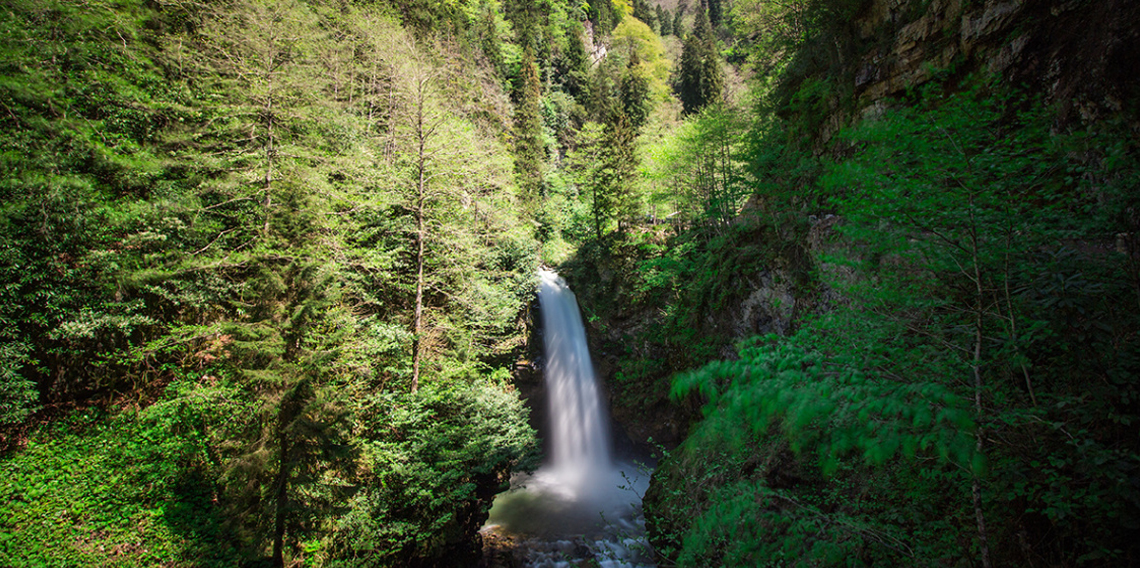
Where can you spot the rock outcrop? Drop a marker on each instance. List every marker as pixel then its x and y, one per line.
pixel 1080 55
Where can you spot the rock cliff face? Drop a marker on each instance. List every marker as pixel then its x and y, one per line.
pixel 1081 55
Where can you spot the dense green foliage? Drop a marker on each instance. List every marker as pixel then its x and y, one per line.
pixel 529 147
pixel 952 379
pixel 664 21
pixel 634 89
pixel 257 227
pixel 954 383
pixel 266 269
pixel 140 488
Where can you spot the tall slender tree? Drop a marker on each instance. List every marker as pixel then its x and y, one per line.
pixel 621 171
pixel 635 101
pixel 445 171
pixel 605 94
pixel 645 13
pixel 602 14
pixel 716 12
pixel 575 66
pixel 530 151
pixel 604 164
pixel 265 67
pixel 424 129
pixel 664 21
pixel 701 80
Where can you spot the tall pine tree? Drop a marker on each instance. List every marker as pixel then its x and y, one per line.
pixel 635 92
pixel 701 80
pixel 678 26
pixel 530 152
pixel 645 13
pixel 602 14
pixel 664 21
pixel 605 166
pixel 621 171
pixel 716 12
pixel 575 65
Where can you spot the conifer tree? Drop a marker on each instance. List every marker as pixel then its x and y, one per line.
pixel 701 80
pixel 664 21
pixel 643 12
pixel 524 15
pixel 605 94
pixel 491 43
pixel 530 153
pixel 602 14
pixel 605 166
pixel 688 77
pixel 716 13
pixel 442 175
pixel 621 171
pixel 576 66
pixel 678 25
pixel 266 70
pixel 635 92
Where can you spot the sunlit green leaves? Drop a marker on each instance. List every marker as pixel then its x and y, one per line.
pixel 831 406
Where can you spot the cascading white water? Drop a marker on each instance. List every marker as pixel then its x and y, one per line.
pixel 579 435
pixel 581 505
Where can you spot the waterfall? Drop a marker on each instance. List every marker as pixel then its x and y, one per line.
pixel 580 441
pixel 582 506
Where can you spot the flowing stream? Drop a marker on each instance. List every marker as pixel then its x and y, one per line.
pixel 582 506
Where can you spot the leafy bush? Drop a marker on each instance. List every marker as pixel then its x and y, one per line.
pixel 430 461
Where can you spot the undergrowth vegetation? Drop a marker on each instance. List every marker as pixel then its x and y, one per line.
pixel 392 482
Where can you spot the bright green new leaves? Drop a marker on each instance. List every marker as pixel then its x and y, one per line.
pixel 633 35
pixel 701 165
pixel 831 406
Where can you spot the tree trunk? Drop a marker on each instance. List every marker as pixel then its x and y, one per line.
pixel 268 157
pixel 417 326
pixel 421 202
pixel 1013 319
pixel 976 367
pixel 281 500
